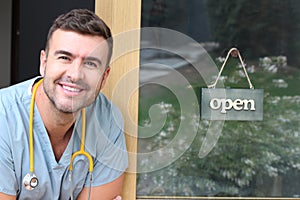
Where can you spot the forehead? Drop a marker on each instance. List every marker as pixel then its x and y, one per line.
pixel 78 44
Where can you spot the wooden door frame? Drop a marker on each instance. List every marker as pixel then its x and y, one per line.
pixel 121 17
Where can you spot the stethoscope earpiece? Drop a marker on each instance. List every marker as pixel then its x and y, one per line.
pixel 30 181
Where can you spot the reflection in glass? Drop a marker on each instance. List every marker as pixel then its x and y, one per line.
pixel 250 159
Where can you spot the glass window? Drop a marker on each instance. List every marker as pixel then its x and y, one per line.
pixel 184 44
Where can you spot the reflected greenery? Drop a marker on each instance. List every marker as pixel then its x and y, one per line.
pixel 250 159
pixel 258 28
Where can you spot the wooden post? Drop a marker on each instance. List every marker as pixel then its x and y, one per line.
pixel 123 16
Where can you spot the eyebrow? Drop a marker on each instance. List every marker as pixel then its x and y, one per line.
pixel 63 52
pixel 89 58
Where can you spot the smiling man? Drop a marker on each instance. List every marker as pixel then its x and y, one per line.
pixel 74 67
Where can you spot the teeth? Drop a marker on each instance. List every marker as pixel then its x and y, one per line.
pixel 70 88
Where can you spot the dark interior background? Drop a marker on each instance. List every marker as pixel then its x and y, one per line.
pixel 31 21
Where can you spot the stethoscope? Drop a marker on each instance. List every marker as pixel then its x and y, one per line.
pixel 31 181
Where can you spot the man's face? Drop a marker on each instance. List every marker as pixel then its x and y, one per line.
pixel 74 69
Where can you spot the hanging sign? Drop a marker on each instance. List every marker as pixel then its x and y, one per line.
pixel 232 104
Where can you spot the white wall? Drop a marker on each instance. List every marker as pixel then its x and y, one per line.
pixel 5 41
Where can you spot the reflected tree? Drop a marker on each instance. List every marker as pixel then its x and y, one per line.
pixel 258 28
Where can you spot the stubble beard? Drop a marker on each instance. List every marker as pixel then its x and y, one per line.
pixel 66 109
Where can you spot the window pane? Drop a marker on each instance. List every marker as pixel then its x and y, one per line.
pixel 180 154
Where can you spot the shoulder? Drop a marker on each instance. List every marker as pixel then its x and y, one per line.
pixel 105 117
pixel 15 94
pixel 106 109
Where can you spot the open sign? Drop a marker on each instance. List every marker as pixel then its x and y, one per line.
pixel 232 104
pixel 227 104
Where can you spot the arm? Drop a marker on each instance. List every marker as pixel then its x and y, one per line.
pixel 104 192
pixel 8 183
pixel 7 197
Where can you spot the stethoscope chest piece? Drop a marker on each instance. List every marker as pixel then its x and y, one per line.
pixel 30 181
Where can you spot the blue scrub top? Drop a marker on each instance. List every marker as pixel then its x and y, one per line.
pixel 105 142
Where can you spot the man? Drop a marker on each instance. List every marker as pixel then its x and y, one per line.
pixel 74 67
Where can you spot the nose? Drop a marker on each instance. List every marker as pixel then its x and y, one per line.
pixel 75 71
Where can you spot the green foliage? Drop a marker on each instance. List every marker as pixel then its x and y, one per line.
pixel 248 157
pixel 260 159
pixel 258 28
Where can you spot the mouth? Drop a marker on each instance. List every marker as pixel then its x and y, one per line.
pixel 71 89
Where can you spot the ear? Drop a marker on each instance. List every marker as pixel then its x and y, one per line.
pixel 105 75
pixel 43 62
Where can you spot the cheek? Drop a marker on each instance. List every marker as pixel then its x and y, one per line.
pixel 49 73
pixel 94 79
pixel 54 70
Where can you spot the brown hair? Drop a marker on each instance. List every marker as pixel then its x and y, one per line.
pixel 82 21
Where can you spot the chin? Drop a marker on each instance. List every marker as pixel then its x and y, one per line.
pixel 68 109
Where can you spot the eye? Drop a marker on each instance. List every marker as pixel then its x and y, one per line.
pixel 91 64
pixel 64 58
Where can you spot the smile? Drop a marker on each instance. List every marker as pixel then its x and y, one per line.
pixel 71 89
